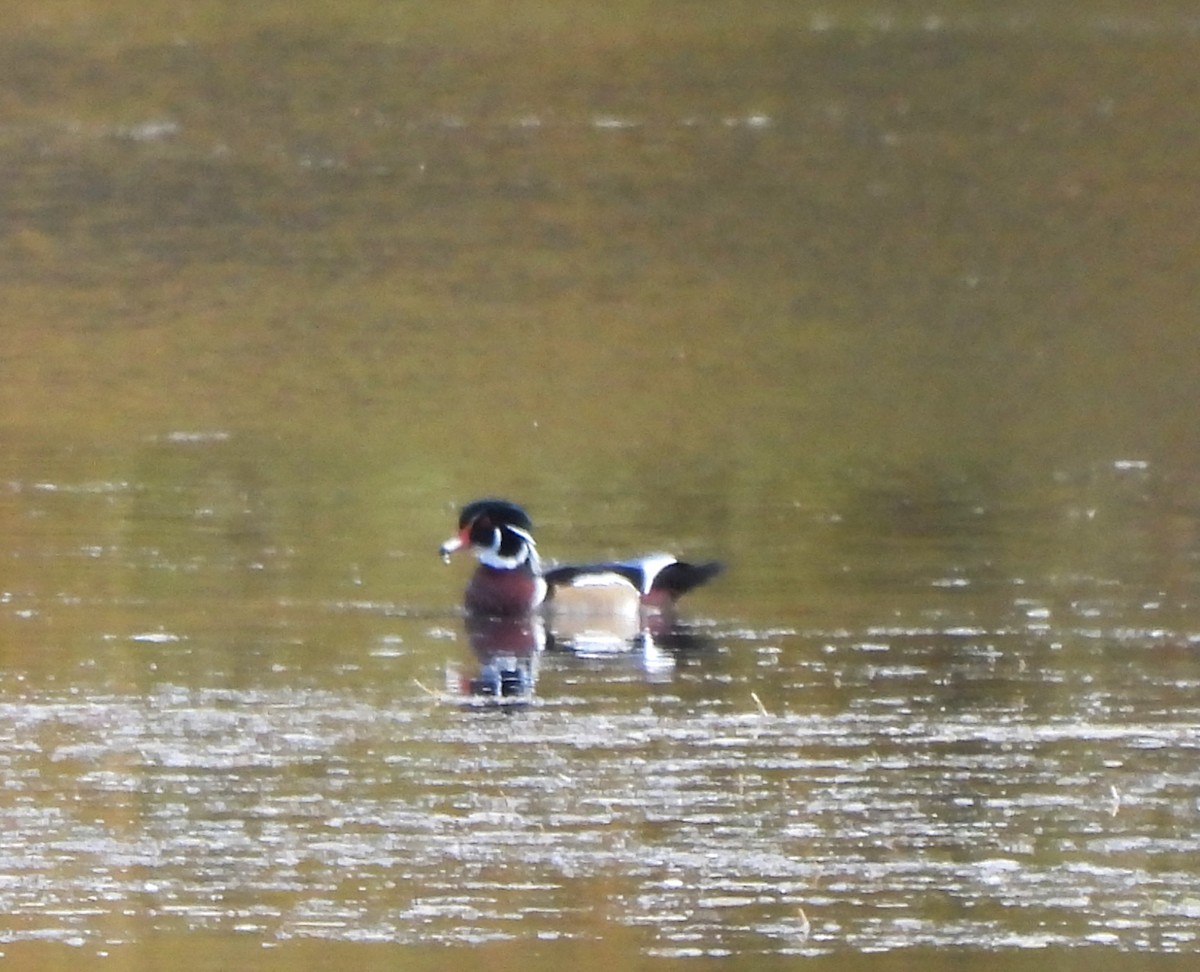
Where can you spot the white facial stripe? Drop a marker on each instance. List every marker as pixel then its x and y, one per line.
pixel 523 534
pixel 491 556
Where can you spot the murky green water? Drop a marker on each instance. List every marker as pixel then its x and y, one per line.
pixel 890 307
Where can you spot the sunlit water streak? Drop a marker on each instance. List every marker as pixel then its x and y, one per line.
pixel 894 815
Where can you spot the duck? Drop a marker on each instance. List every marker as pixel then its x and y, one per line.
pixel 511 579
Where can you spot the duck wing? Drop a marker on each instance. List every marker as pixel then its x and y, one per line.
pixel 659 574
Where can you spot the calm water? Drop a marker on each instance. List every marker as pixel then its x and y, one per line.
pixel 891 307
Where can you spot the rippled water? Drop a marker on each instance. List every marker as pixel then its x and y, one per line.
pixel 716 788
pixel 898 819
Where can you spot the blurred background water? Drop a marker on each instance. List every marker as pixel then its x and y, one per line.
pixel 891 306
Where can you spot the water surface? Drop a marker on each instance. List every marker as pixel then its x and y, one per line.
pixel 890 308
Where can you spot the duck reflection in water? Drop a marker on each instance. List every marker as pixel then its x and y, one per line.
pixel 506 651
pixel 515 607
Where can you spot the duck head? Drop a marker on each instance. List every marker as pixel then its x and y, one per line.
pixel 498 532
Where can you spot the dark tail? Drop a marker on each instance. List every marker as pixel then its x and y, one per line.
pixel 678 578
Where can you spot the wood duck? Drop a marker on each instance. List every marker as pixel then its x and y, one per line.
pixel 511 581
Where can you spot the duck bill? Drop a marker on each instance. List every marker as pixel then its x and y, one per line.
pixel 453 544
